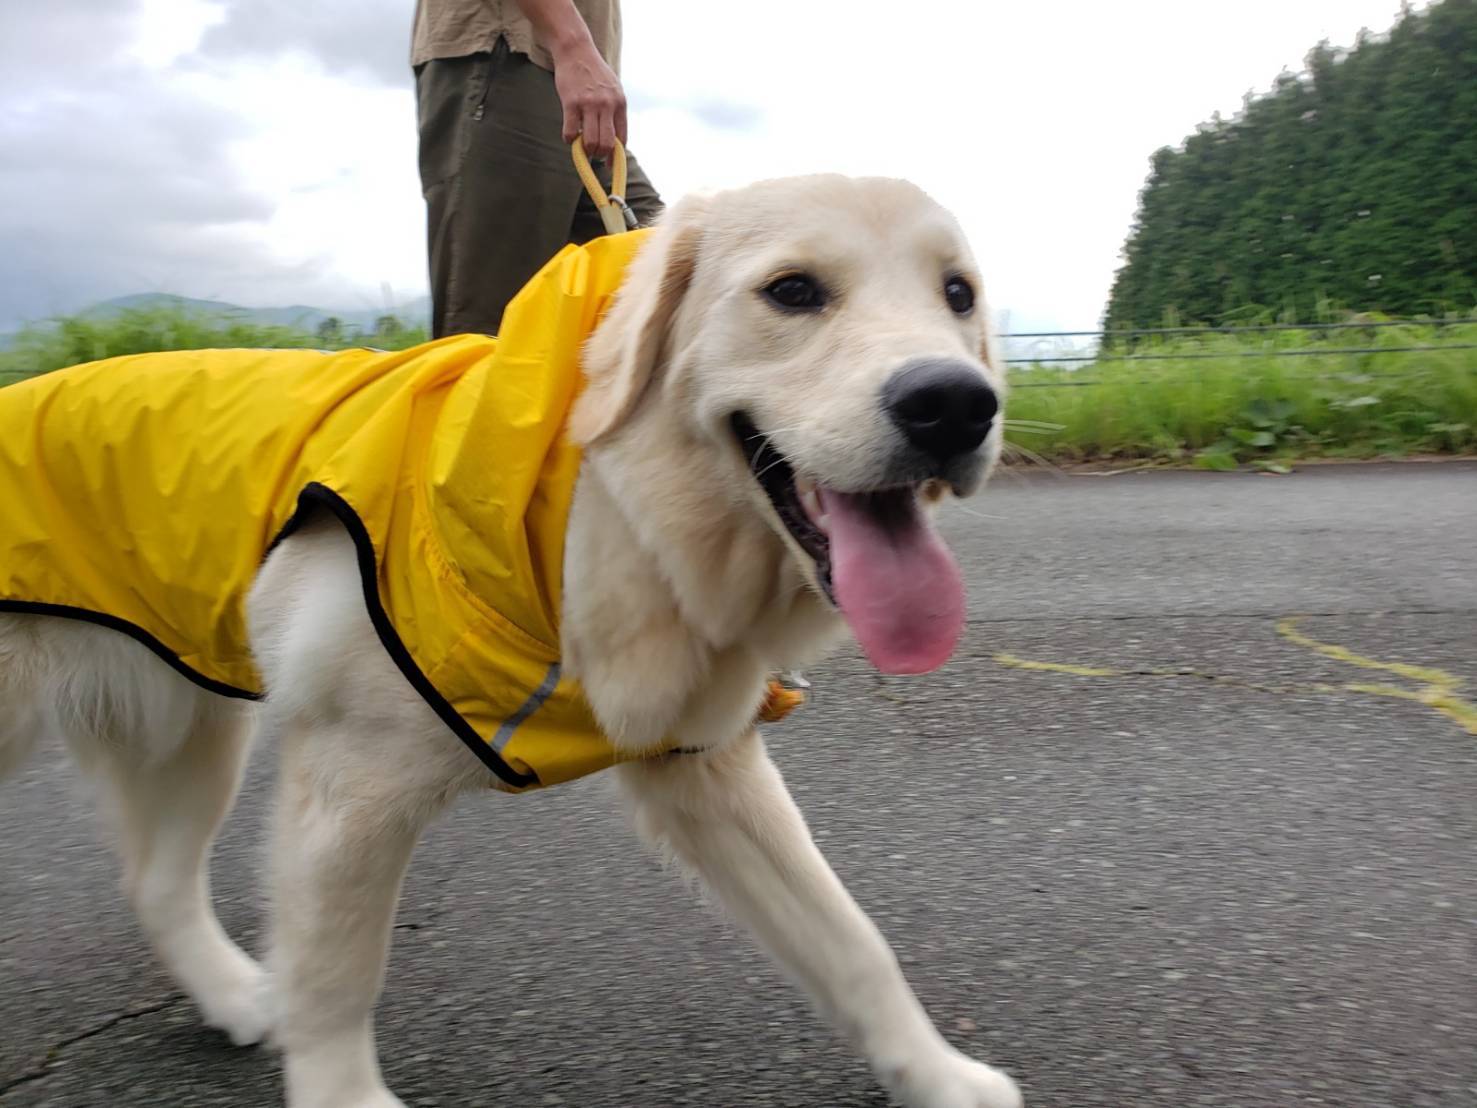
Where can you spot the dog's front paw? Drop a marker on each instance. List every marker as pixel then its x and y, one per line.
pixel 381 1098
pixel 237 1002
pixel 376 1097
pixel 949 1080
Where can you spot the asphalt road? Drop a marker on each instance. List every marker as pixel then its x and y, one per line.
pixel 1207 863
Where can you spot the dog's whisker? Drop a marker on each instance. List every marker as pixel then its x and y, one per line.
pixel 1015 449
pixel 974 512
pixel 777 431
pixel 772 465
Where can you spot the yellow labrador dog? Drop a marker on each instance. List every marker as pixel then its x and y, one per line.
pixel 791 377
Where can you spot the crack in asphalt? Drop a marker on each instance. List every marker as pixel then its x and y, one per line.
pixel 53 1052
pixel 424 922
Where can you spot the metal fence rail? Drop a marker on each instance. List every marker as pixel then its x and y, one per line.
pixel 1221 332
pixel 1243 354
pixel 1233 329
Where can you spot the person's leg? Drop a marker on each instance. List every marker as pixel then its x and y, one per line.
pixel 509 205
pixel 449 93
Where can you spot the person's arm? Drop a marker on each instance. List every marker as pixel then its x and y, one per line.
pixel 594 102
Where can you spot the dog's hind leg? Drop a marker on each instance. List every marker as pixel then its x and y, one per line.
pixel 21 723
pixel 728 816
pixel 166 758
pixel 168 812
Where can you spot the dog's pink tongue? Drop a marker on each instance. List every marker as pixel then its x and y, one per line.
pixel 897 584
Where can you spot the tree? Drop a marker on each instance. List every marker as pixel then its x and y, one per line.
pixel 1353 183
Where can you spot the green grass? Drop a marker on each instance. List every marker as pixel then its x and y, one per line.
pixel 1244 405
pixel 69 340
pixel 1247 404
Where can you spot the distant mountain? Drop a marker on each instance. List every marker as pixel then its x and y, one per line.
pixel 413 313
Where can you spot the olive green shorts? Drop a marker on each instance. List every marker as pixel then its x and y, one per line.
pixel 502 196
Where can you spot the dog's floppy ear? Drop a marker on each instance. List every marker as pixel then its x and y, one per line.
pixel 621 357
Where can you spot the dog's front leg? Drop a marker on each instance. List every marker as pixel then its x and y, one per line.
pixel 728 816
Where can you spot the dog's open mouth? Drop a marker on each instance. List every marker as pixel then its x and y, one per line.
pixel 796 502
pixel 877 558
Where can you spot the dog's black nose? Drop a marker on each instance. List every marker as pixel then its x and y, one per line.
pixel 944 407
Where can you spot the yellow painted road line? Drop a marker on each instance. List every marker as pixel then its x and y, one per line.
pixel 1453 707
pixel 1056 667
pixel 1437 689
pixel 1287 628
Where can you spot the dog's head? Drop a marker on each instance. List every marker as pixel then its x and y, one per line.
pixel 823 346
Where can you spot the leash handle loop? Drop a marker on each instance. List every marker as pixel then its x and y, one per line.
pixel 615 213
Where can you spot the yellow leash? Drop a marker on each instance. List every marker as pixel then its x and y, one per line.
pixel 615 213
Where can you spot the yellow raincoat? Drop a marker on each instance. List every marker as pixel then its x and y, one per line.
pixel 143 492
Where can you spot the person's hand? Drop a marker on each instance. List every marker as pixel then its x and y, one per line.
pixel 594 102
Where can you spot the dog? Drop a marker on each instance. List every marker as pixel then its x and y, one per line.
pixel 791 378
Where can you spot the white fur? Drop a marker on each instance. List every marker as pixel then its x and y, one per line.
pixel 683 591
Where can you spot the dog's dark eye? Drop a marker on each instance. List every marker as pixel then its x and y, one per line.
pixel 959 294
pixel 796 292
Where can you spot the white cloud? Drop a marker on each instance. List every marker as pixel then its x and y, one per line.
pixel 264 150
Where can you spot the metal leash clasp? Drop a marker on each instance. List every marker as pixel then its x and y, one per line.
pixel 626 213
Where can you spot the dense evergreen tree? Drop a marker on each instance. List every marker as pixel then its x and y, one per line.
pixel 1352 184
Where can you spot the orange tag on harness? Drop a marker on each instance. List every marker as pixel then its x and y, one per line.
pixel 779 702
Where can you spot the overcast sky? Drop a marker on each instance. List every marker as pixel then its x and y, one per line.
pixel 263 151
